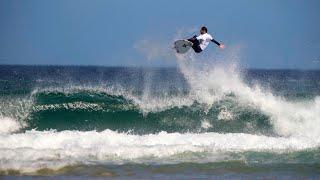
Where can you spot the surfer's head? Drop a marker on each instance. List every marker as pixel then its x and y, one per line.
pixel 203 30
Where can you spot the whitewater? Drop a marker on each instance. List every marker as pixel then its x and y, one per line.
pixel 26 147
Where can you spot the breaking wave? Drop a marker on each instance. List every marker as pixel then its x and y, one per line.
pixel 219 118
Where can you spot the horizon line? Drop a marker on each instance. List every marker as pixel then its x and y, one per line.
pixel 132 66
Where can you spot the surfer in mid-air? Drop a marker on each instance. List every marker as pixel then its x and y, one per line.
pixel 199 43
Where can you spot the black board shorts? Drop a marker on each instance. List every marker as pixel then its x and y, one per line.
pixel 196 44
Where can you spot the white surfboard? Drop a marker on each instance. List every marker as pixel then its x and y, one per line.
pixel 182 46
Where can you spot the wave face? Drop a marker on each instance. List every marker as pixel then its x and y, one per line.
pixel 54 117
pixel 96 109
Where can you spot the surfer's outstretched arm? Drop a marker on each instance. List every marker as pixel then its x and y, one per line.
pixel 217 43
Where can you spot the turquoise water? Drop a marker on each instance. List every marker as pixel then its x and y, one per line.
pixel 72 122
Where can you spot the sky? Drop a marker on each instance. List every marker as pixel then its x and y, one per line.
pixel 276 34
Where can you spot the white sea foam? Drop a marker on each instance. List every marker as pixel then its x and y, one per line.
pixel 225 114
pixel 9 125
pixel 32 150
pixel 14 112
pixel 211 84
pixel 69 106
pixel 205 124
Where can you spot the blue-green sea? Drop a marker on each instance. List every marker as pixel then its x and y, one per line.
pixel 167 123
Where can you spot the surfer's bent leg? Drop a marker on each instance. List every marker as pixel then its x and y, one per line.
pixel 196 44
pixel 197 49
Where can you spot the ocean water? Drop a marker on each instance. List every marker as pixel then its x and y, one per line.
pixel 212 121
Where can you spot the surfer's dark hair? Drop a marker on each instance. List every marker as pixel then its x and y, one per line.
pixel 203 28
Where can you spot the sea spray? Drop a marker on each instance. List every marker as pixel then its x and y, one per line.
pixel 217 117
pixel 288 118
pixel 9 125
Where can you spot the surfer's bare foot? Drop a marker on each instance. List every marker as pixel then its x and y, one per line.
pixel 190 42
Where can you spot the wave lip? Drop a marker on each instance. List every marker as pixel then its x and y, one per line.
pixel 211 84
pixel 147 102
